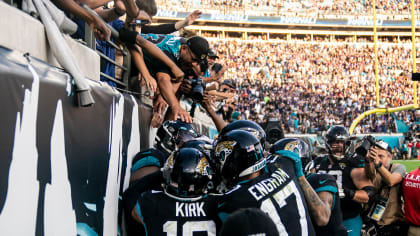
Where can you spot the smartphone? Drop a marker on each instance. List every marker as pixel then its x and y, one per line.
pixel 139 22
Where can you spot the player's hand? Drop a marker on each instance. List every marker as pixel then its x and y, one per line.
pixel 181 113
pixel 295 158
pixel 99 29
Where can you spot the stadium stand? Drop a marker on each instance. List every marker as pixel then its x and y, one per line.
pixel 317 83
pixel 325 8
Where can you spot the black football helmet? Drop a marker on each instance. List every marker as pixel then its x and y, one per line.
pixel 297 146
pixel 173 134
pixel 238 153
pixel 249 126
pixel 204 146
pixel 187 173
pixel 335 134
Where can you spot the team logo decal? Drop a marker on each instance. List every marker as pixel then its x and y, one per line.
pixel 203 167
pixel 169 164
pixel 224 149
pixel 293 147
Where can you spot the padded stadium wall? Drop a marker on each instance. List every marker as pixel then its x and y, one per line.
pixel 63 168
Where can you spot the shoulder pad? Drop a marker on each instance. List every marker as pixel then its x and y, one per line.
pixel 322 182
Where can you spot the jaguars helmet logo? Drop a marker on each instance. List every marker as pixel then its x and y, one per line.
pixel 203 167
pixel 169 164
pixel 224 149
pixel 294 147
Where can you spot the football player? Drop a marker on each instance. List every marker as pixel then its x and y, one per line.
pixel 324 206
pixel 242 166
pixel 348 169
pixel 183 207
pixel 170 136
pixel 246 125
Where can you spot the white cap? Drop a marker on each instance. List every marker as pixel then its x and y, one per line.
pixel 383 145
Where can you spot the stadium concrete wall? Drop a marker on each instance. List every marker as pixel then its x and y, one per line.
pixel 22 32
pixel 63 168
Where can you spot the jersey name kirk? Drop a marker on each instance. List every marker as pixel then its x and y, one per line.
pixel 194 209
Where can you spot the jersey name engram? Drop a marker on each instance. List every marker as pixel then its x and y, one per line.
pixel 268 185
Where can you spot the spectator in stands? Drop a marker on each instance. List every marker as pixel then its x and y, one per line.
pixel 295 8
pixel 185 54
pixel 139 75
pixel 130 7
pixel 213 77
pixel 170 28
pixel 324 91
pixel 411 193
pixel 111 16
pixel 211 59
pixel 387 182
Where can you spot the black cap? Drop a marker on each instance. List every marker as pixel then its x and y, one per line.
pixel 199 46
pixel 229 83
pixel 249 221
pixel 212 54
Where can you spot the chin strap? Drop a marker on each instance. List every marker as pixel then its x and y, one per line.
pixel 338 157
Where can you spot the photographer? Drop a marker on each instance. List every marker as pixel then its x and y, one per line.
pixel 386 211
pixel 215 74
pixel 226 91
pixel 193 87
pixel 348 169
pixel 211 60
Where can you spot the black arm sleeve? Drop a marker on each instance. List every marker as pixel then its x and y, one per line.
pixel 158 29
pixel 148 182
pixel 371 191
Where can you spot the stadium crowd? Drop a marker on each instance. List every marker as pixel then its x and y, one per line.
pixel 311 86
pixel 291 7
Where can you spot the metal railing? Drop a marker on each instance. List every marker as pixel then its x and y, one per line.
pixel 125 66
pixel 90 41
